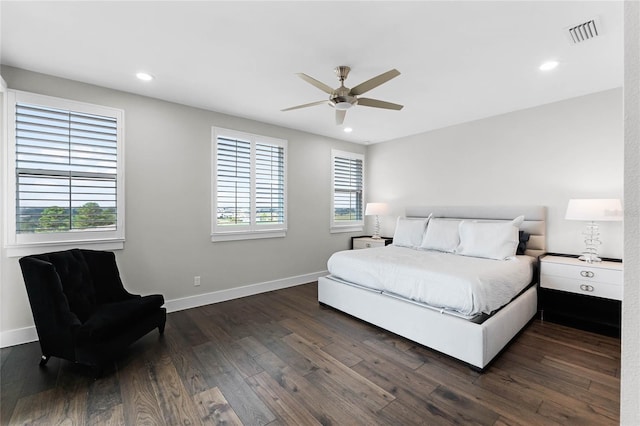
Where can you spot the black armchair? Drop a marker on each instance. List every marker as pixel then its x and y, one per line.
pixel 80 308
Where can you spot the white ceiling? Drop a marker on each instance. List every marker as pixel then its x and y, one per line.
pixel 460 61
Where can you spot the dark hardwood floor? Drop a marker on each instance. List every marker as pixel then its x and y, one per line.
pixel 280 358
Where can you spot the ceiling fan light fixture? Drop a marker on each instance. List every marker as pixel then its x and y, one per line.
pixel 342 106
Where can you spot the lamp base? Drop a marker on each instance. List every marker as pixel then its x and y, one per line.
pixel 590 258
pixel 376 229
pixel 591 241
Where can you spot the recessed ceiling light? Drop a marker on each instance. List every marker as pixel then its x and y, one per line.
pixel 348 130
pixel 144 76
pixel 548 66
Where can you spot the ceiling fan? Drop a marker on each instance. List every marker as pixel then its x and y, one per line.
pixel 344 98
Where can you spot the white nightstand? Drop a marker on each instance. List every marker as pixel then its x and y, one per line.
pixel 581 294
pixel 368 242
pixel 601 279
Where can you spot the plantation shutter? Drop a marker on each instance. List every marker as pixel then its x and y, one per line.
pixel 269 184
pixel 66 170
pixel 249 180
pixel 233 181
pixel 348 189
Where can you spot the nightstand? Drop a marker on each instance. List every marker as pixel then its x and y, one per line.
pixel 580 294
pixel 368 242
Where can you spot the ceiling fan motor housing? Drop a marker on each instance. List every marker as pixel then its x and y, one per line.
pixel 341 99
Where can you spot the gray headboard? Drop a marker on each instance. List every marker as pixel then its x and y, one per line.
pixel 535 219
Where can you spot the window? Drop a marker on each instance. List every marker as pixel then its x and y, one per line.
pixel 347 171
pixel 249 186
pixel 64 176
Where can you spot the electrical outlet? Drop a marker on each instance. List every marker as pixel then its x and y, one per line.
pixel 196 281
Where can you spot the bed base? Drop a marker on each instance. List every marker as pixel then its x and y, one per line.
pixel 475 344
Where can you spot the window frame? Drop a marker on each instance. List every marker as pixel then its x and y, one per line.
pixel 20 244
pixel 253 230
pixel 345 226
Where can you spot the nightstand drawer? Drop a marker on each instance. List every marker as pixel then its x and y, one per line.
pixel 363 243
pixel 369 242
pixel 581 286
pixel 570 267
pixel 612 274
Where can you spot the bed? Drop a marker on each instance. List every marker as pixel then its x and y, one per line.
pixel 386 286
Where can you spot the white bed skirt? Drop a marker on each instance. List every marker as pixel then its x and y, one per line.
pixel 475 344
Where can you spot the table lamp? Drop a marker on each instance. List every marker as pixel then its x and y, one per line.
pixel 592 211
pixel 377 210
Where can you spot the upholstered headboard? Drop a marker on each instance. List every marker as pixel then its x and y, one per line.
pixel 535 219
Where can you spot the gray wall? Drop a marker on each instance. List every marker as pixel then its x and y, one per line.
pixel 544 155
pixel 630 375
pixel 167 175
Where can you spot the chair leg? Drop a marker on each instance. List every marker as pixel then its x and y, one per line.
pixel 161 328
pixel 44 359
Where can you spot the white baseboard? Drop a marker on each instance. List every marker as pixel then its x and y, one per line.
pixel 28 334
pixel 238 292
pixel 18 336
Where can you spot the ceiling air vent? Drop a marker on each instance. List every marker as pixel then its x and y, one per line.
pixel 583 32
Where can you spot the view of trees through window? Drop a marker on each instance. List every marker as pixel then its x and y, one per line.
pixel 348 214
pixel 63 219
pixel 66 166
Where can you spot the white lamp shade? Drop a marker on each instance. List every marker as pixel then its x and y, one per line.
pixel 596 210
pixel 376 209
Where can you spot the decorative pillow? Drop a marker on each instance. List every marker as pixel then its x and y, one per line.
pixel 441 235
pixel 409 232
pixel 491 240
pixel 524 239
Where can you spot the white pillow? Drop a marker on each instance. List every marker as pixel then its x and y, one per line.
pixel 441 235
pixel 491 240
pixel 409 232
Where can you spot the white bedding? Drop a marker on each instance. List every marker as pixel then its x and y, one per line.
pixel 468 285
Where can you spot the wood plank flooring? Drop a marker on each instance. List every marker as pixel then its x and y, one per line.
pixel 279 358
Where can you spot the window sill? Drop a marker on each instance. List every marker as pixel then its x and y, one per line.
pixel 346 228
pixel 39 248
pixel 247 235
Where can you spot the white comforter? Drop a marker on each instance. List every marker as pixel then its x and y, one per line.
pixel 468 285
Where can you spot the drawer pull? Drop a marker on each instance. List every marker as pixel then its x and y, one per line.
pixel 368 245
pixel 587 274
pixel 586 287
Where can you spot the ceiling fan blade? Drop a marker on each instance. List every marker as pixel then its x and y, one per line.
pixel 374 82
pixel 320 85
pixel 379 104
pixel 306 105
pixel 340 116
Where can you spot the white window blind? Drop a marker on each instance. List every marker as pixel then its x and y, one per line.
pixel 66 164
pixel 233 182
pixel 348 191
pixel 66 170
pixel 250 186
pixel 269 184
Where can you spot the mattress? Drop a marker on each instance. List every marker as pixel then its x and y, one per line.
pixel 466 285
